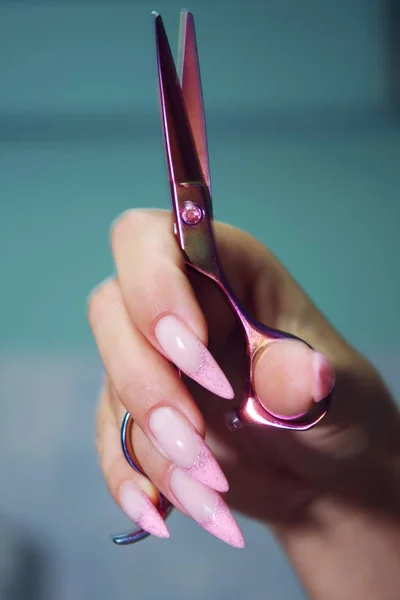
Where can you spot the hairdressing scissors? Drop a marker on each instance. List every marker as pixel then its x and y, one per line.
pixel 186 149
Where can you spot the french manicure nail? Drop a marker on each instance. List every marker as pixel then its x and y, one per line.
pixel 324 376
pixel 186 448
pixel 206 507
pixel 188 353
pixel 139 508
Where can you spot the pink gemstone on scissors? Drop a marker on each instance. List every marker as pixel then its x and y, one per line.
pixel 191 213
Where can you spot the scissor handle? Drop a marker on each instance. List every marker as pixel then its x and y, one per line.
pixel 251 410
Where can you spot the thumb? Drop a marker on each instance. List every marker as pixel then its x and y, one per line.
pixel 289 376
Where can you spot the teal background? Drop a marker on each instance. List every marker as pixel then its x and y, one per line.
pixel 304 141
pixel 304 149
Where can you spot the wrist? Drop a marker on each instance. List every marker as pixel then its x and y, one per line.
pixel 342 549
pixel 346 553
pixel 346 545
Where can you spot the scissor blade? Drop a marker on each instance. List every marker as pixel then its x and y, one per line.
pixel 189 72
pixel 183 161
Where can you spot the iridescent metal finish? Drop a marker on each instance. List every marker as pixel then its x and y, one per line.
pixel 185 138
pixel 189 73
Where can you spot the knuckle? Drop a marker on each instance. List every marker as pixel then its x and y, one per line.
pixel 100 299
pixel 127 223
pixel 99 443
pixel 127 389
pixel 109 469
pixel 107 448
pixel 101 415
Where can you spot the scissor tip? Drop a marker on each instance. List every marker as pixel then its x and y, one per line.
pixel 186 14
pixel 155 13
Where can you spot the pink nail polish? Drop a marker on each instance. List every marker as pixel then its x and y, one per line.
pixel 191 356
pixel 324 377
pixel 186 448
pixel 141 510
pixel 207 508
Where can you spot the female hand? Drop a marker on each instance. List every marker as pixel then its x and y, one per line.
pixel 156 313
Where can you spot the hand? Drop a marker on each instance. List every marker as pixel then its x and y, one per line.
pixel 155 313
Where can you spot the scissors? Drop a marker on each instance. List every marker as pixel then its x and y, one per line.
pixel 185 137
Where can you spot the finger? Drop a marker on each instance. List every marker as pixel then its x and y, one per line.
pixel 289 376
pixel 150 389
pixel 188 495
pixel 159 297
pixel 134 493
pixel 204 505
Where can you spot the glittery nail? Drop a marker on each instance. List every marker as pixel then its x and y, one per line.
pixel 141 510
pixel 185 447
pixel 188 353
pixel 207 508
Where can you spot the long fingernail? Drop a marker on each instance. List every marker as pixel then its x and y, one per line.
pixel 206 507
pixel 141 510
pixel 191 356
pixel 324 377
pixel 186 448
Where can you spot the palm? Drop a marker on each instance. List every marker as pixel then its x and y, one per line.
pixel 271 473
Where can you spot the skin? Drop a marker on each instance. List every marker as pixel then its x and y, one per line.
pixel 332 494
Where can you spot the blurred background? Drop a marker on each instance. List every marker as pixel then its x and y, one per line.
pixel 303 103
